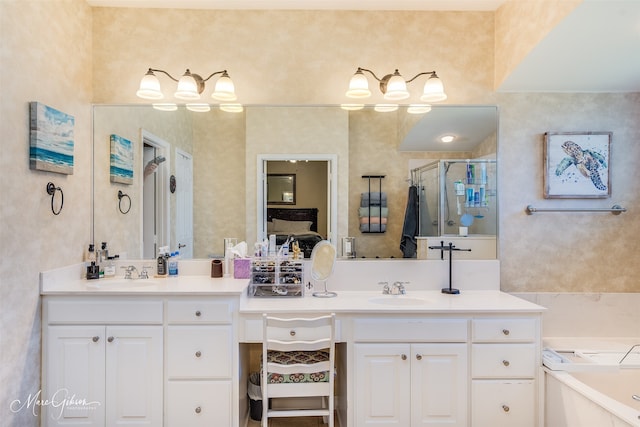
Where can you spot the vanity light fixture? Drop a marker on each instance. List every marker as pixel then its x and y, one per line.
pixel 385 108
pixel 394 86
pixel 190 86
pixel 418 108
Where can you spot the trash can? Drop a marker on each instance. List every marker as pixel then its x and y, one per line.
pixel 255 396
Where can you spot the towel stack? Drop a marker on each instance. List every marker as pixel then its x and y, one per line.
pixel 373 212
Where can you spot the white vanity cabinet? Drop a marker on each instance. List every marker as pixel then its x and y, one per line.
pixel 199 362
pixel 102 362
pixel 410 372
pixel 504 365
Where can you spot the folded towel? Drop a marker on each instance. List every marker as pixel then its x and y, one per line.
pixel 373 228
pixel 373 211
pixel 373 199
pixel 373 220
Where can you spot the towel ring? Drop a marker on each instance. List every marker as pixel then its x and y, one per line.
pixel 121 196
pixel 51 190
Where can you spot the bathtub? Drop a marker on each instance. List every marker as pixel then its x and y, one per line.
pixel 592 399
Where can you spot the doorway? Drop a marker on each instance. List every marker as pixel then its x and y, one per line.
pixel 155 195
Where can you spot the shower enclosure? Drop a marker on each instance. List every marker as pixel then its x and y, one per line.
pixel 454 194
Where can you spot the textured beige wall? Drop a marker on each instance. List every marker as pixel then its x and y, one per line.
pixel 45 52
pixel 520 26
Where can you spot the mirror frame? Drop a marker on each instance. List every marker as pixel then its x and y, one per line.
pixel 282 201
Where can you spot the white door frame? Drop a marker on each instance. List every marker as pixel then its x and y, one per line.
pixel 162 206
pixel 332 190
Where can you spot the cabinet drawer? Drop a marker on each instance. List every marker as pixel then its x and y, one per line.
pixel 103 310
pixel 198 404
pixel 199 311
pixel 504 330
pixel 503 360
pixel 503 403
pixel 199 351
pixel 410 330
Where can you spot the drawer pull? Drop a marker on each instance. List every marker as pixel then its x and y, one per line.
pixel 505 362
pixel 198 313
pixel 292 333
pixel 505 408
pixel 95 339
pixel 403 357
pixel 198 410
pixel 110 339
pixel 505 331
pixel 198 354
pixel 419 356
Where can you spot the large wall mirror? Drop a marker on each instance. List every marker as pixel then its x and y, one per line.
pixel 212 159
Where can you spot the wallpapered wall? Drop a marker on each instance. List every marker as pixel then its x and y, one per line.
pixel 53 52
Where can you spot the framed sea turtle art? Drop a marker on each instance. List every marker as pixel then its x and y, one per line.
pixel 577 165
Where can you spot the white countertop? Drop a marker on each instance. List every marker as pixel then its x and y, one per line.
pixel 375 302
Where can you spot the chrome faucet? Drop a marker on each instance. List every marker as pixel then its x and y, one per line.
pixel 628 352
pixel 397 288
pixel 129 270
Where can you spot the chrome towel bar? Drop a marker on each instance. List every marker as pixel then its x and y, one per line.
pixel 615 209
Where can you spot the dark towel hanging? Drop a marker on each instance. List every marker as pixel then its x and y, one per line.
pixel 408 242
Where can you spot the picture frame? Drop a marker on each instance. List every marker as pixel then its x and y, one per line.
pixel 577 165
pixel 51 139
pixel 121 166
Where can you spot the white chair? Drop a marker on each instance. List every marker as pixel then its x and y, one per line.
pixel 298 360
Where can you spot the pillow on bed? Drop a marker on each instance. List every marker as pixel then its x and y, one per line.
pixel 291 226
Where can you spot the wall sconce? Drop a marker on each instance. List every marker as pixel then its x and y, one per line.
pixel 190 86
pixel 394 86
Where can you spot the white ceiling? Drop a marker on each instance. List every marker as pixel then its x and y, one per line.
pixel 595 49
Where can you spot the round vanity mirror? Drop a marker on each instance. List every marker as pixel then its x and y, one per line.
pixel 323 259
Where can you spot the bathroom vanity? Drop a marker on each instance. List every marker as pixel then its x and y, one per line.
pixel 177 351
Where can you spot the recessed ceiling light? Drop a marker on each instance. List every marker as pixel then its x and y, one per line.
pixel 447 138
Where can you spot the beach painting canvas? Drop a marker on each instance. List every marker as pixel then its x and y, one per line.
pixel 51 139
pixel 121 169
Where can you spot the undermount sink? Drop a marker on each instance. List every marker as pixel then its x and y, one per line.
pixel 397 300
pixel 125 283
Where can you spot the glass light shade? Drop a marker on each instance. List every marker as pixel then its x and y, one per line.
pixel 433 90
pixel 358 86
pixel 198 108
pixel 232 108
pixel 352 107
pixel 165 106
pixel 386 108
pixel 149 87
pixel 418 108
pixel 396 88
pixel 187 88
pixel 224 90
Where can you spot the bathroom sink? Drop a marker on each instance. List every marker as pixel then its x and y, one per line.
pixel 120 283
pixel 397 300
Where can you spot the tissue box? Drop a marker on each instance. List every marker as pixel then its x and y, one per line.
pixel 241 268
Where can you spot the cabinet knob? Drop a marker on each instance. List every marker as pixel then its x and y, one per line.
pixel 198 410
pixel 505 408
pixel 110 339
pixel 292 333
pixel 95 339
pixel 419 356
pixel 505 331
pixel 403 357
pixel 505 362
pixel 198 313
pixel 198 354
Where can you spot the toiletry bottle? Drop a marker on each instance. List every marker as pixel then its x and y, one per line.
pixel 173 264
pixel 161 267
pixel 110 266
pixel 483 173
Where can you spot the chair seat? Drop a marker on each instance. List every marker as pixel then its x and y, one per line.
pixel 298 357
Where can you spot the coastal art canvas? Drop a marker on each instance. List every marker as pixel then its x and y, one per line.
pixel 577 165
pixel 50 139
pixel 121 169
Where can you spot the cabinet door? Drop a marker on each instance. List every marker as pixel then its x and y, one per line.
pixel 134 375
pixel 382 385
pixel 74 376
pixel 439 385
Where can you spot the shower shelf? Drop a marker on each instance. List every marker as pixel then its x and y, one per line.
pixel 369 226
